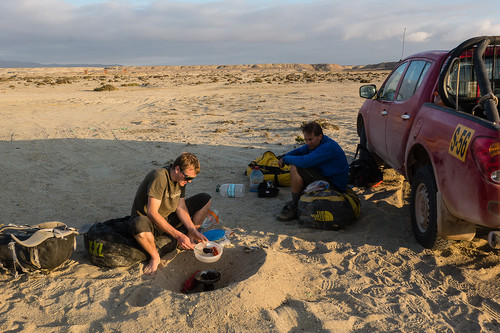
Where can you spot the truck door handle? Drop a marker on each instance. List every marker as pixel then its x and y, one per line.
pixel 405 116
pixel 384 112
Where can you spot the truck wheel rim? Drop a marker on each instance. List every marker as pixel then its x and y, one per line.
pixel 422 208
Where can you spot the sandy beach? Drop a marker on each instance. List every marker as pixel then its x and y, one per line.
pixel 76 155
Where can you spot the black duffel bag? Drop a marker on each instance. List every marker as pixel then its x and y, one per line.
pixel 44 246
pixel 110 244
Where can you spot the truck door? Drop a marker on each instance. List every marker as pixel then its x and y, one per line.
pixel 376 134
pixel 402 112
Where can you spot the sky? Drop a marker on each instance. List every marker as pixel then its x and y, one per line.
pixel 230 32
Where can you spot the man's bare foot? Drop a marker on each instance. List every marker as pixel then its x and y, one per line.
pixel 152 266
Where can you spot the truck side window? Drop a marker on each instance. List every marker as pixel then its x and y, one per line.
pixel 389 89
pixel 412 79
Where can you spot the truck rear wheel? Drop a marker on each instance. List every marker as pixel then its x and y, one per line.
pixel 424 208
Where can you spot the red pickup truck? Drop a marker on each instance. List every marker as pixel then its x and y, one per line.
pixel 436 121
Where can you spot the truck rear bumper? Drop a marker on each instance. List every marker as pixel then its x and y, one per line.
pixel 494 209
pixel 454 228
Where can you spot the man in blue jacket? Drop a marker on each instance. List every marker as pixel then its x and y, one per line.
pixel 321 158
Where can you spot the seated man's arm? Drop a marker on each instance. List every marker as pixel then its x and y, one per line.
pixel 322 154
pixel 183 214
pixel 302 150
pixel 163 225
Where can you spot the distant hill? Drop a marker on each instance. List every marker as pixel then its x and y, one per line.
pixel 29 64
pixel 273 66
pixel 282 66
pixel 380 66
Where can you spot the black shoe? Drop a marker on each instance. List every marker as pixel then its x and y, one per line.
pixel 288 213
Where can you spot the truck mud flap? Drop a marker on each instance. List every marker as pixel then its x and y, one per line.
pixel 450 227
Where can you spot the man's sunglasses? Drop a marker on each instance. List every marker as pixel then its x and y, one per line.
pixel 186 177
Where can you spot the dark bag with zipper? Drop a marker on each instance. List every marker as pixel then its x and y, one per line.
pixel 41 247
pixel 267 190
pixel 110 244
pixel 364 171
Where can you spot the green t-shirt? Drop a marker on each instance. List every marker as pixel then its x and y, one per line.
pixel 158 185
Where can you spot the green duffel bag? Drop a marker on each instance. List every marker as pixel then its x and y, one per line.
pixel 328 209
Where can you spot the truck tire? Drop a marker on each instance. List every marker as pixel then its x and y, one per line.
pixel 424 209
pixel 364 152
pixel 363 147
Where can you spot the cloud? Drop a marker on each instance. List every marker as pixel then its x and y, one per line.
pixel 225 31
pixel 418 36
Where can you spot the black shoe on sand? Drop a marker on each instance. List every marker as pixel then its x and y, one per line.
pixel 288 213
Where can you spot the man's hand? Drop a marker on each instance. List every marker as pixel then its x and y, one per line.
pixel 184 242
pixel 188 242
pixel 195 236
pixel 280 162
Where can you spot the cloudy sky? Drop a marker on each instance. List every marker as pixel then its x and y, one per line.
pixel 198 32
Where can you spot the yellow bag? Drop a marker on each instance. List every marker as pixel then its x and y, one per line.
pixel 268 164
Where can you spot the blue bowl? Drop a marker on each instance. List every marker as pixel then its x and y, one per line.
pixel 214 234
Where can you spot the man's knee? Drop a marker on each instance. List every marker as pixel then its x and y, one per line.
pixel 141 224
pixel 294 172
pixel 197 202
pixel 144 236
pixel 205 198
pixel 295 175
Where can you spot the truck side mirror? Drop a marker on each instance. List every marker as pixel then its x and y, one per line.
pixel 368 91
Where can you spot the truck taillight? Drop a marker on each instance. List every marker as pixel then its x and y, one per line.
pixel 487 156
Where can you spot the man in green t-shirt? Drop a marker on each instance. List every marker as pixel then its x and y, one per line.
pixel 159 196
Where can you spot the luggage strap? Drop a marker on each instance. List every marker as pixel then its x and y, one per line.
pixel 268 168
pixel 42 235
pixel 15 261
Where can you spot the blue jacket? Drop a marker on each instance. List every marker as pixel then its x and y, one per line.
pixel 328 158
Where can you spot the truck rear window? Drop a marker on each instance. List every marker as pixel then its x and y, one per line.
pixel 462 78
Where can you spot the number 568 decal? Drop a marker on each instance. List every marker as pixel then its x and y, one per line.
pixel 460 142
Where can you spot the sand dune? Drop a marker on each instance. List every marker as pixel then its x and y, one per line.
pixel 72 154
